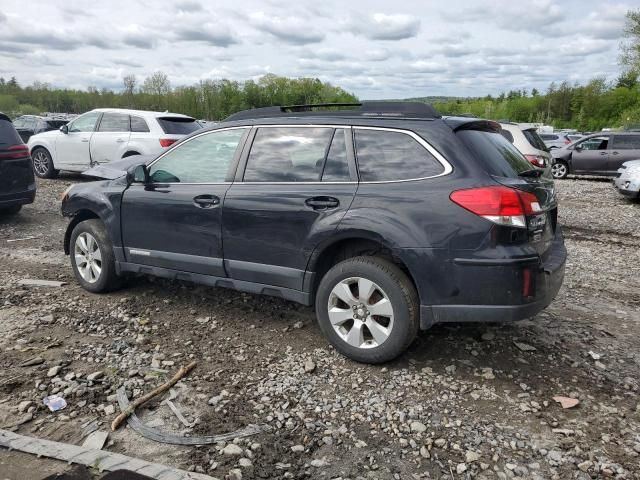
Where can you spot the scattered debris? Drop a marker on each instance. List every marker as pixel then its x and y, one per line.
pixel 309 366
pixel 96 440
pixel 182 372
pixel 40 283
pixel 32 362
pixel 165 437
pixel 594 355
pixel 11 240
pixel 525 347
pixel 176 411
pixel 567 402
pixel 99 459
pixel 55 402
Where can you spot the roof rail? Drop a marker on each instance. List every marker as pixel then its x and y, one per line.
pixel 416 110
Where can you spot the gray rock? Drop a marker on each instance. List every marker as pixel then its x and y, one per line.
pixel 95 376
pixel 418 427
pixel 53 371
pixel 232 450
pixel 309 366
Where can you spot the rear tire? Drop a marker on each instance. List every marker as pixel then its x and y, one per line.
pixel 92 257
pixel 8 211
pixel 374 325
pixel 43 163
pixel 560 169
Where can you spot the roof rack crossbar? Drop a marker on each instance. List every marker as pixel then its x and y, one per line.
pixel 380 108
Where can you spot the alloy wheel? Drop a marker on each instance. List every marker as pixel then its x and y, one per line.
pixel 360 312
pixel 40 163
pixel 559 170
pixel 88 257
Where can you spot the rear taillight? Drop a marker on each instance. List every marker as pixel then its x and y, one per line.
pixel 536 160
pixel 499 204
pixel 167 142
pixel 567 140
pixel 13 152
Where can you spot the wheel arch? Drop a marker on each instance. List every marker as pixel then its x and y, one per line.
pixel 130 152
pixel 80 216
pixel 349 245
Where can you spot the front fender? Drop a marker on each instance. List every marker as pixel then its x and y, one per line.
pixel 100 200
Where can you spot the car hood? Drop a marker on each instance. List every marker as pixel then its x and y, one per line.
pixel 117 168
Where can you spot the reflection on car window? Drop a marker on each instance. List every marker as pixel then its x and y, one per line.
pixel 385 156
pixel 288 154
pixel 84 123
pixel 114 122
pixel 336 168
pixel 203 159
pixel 597 143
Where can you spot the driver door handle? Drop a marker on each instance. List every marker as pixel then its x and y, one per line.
pixel 206 201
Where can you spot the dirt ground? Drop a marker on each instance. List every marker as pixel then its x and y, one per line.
pixel 466 401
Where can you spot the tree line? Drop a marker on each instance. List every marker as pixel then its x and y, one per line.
pixel 209 99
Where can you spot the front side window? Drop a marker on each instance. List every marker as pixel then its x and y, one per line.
pixel 84 123
pixel 288 154
pixel 626 142
pixel 597 143
pixel 114 122
pixel 387 156
pixel 203 159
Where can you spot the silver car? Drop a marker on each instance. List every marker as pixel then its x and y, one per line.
pixel 555 140
pixel 627 182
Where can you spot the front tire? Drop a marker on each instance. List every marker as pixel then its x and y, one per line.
pixel 92 257
pixel 43 163
pixel 559 169
pixel 368 309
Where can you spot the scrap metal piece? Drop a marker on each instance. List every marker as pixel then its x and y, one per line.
pixel 94 458
pixel 166 437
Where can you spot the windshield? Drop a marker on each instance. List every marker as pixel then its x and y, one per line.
pixel 499 156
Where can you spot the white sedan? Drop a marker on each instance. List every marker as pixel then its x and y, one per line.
pixel 106 134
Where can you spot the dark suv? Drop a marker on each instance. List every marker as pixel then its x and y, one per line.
pixel 17 183
pixel 29 125
pixel 387 217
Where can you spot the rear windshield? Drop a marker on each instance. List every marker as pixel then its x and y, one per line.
pixel 534 139
pixel 499 156
pixel 8 134
pixel 178 125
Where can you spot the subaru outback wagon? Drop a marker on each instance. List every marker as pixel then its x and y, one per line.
pixel 386 216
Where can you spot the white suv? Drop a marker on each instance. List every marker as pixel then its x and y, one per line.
pixel 106 134
pixel 529 143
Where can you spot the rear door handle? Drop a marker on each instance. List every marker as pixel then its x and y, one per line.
pixel 84 140
pixel 615 153
pixel 206 201
pixel 603 153
pixel 120 140
pixel 322 203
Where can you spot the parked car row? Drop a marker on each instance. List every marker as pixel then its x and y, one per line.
pixel 17 183
pixel 29 125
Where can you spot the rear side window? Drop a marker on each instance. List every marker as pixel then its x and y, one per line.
pixel 534 139
pixel 507 134
pixel 138 124
pixel 8 134
pixel 288 154
pixel 626 142
pixel 114 122
pixel 387 156
pixel 499 156
pixel 178 125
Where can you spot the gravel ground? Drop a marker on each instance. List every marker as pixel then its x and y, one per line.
pixel 466 401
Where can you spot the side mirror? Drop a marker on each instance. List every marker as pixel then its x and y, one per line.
pixel 64 129
pixel 137 174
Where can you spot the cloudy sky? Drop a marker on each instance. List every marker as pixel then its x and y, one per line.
pixel 374 48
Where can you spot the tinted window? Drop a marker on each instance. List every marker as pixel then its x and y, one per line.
pixel 138 124
pixel 596 143
pixel 507 134
pixel 534 139
pixel 8 134
pixel 54 124
pixel 84 123
pixel 178 125
pixel 499 156
pixel 545 136
pixel 18 122
pixel 203 159
pixel 288 154
pixel 336 168
pixel 384 155
pixel 626 142
pixel 114 122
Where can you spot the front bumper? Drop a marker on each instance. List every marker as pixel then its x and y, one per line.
pixel 505 279
pixel 627 185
